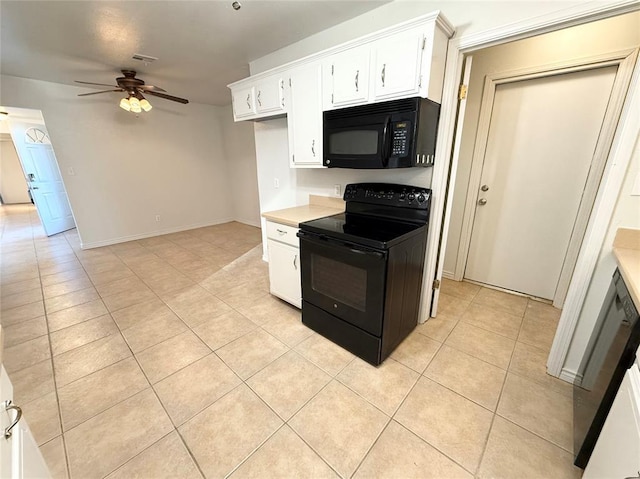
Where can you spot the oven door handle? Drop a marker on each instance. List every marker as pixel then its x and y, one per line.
pixel 354 248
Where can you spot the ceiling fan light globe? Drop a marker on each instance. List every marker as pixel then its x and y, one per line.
pixel 136 108
pixel 145 105
pixel 125 105
pixel 134 102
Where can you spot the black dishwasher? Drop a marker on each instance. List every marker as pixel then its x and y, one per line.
pixel 610 352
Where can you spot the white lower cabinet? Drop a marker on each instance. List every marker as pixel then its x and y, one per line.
pixel 617 451
pixel 284 263
pixel 20 457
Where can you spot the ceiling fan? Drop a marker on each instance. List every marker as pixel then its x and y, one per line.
pixel 134 87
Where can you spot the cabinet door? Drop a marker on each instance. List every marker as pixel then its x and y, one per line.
pixel 270 95
pixel 20 456
pixel 304 117
pixel 397 65
pixel 243 102
pixel 350 77
pixel 284 272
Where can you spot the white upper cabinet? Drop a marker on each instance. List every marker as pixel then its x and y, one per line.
pixel 397 62
pixel 346 76
pixel 270 95
pixel 243 102
pixel 304 117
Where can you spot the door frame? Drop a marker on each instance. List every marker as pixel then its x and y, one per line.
pixel 444 172
pixel 625 61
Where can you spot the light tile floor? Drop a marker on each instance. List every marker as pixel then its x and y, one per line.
pixel 167 357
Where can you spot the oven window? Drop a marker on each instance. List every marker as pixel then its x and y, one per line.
pixel 341 282
pixel 354 142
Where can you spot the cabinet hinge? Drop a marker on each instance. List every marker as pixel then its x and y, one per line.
pixel 289 81
pixel 332 98
pixel 462 93
pixel 420 82
pixel 293 158
pixel 332 69
pixel 424 42
pixel 436 284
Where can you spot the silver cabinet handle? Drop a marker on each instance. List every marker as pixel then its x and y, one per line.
pixel 282 232
pixel 313 147
pixel 249 98
pixel 258 98
pixel 282 93
pixel 35 187
pixel 484 187
pixel 295 258
pixel 482 201
pixel 382 75
pixel 8 406
pixel 357 74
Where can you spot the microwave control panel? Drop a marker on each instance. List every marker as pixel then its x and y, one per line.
pixel 400 132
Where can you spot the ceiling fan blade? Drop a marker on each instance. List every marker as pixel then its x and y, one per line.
pixel 98 92
pixel 151 88
pixel 98 84
pixel 168 97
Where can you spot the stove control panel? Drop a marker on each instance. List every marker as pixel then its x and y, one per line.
pixel 388 194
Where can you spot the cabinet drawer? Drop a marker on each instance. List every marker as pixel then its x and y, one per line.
pixel 283 233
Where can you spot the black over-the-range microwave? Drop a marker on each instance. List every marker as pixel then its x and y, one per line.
pixel 392 134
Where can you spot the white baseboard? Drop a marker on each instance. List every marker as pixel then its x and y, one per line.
pixel 248 222
pixel 448 275
pixel 124 239
pixel 570 376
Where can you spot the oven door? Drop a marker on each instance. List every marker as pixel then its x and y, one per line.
pixel 357 142
pixel 344 279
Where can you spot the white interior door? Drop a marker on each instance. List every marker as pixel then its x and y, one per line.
pixel 542 137
pixel 43 177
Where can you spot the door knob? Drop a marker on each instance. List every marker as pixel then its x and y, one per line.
pixel 482 201
pixel 484 188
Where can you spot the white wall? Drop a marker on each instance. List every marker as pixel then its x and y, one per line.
pixel 13 186
pixel 625 215
pixel 169 161
pixel 605 36
pixel 240 154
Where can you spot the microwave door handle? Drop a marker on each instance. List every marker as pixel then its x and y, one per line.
pixel 386 141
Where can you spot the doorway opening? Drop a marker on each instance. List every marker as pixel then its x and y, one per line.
pixel 25 139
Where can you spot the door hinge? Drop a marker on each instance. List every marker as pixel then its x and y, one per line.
pixel 436 284
pixel 462 93
pixel 424 42
pixel 332 69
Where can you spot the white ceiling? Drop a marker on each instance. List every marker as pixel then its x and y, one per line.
pixel 201 45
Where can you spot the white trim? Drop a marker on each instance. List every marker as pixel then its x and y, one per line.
pixel 570 376
pixel 124 239
pixel 248 222
pixel 577 15
pixel 610 185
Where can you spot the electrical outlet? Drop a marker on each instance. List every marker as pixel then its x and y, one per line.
pixel 157 217
pixel 336 190
pixel 276 183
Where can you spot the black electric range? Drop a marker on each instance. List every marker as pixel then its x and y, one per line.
pixel 362 270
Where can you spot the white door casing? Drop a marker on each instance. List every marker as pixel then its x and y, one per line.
pixel 43 177
pixel 535 156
